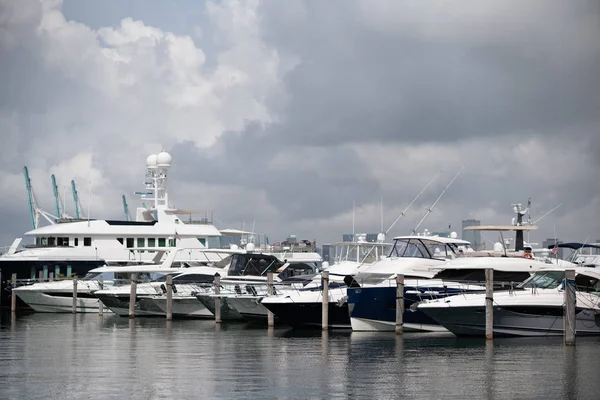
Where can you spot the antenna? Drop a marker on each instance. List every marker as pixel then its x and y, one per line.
pixel 547 213
pixel 381 211
pixel 403 213
pixel 353 205
pixel 430 209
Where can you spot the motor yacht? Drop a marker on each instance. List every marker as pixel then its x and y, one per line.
pixel 302 307
pixel 57 296
pixel 73 246
pixel 534 308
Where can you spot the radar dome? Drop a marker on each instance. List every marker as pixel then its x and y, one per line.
pixel 163 159
pixel 381 237
pixel 324 265
pixel 453 235
pixel 250 247
pixel 151 161
pixel 498 247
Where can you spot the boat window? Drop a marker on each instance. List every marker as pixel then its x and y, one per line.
pixel 202 241
pixel 253 264
pixel 76 242
pixel 436 249
pixel 87 241
pixel 587 284
pixel 44 241
pixel 51 241
pixel 194 278
pixel 151 242
pixel 161 242
pixel 172 242
pixel 544 280
pixel 141 242
pixel 120 240
pixel 62 241
pixel 130 243
pixel 296 269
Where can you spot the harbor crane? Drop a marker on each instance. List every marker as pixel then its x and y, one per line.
pixel 34 210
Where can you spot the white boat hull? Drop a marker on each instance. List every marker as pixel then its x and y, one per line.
pixel 42 302
pixel 184 307
pixel 370 325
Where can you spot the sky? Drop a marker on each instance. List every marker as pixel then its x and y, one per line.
pixel 313 118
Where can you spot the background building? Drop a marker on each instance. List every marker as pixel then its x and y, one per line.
pixel 472 236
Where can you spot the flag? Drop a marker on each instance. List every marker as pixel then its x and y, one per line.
pixel 554 250
pixel 177 236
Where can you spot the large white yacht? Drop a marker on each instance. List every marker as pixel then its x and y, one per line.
pixel 74 246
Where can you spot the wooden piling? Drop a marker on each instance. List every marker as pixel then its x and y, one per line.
pixel 570 306
pixel 399 304
pixel 41 276
pixel 217 299
pixel 325 300
pixel 74 295
pixel 51 276
pixel 270 316
pixel 169 298
pixel 100 287
pixel 132 295
pixel 13 294
pixel 489 303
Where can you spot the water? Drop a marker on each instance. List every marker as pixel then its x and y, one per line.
pixel 52 356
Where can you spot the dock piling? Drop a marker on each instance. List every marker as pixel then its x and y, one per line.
pixel 41 276
pixel 270 316
pixel 100 287
pixel 169 298
pixel 75 295
pixel 217 299
pixel 132 295
pixel 325 300
pixel 489 303
pixel 570 306
pixel 13 294
pixel 51 276
pixel 399 304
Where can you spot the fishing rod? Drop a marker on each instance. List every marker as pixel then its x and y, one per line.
pixel 403 213
pixel 430 209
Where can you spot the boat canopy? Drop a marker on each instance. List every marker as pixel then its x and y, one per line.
pixel 574 246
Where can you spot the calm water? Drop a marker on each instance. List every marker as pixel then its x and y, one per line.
pixel 50 356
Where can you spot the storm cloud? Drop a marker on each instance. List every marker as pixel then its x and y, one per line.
pixel 285 114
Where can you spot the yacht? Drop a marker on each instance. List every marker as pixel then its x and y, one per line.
pixel 534 308
pixel 151 296
pixel 245 282
pixel 433 267
pixel 57 296
pixel 72 247
pixel 301 307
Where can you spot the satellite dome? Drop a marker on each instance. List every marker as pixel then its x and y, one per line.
pixel 250 247
pixel 498 247
pixel 151 161
pixel 163 159
pixel 453 235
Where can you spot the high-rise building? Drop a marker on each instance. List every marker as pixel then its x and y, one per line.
pixel 472 236
pixel 326 253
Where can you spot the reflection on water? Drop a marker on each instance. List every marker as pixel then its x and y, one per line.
pixel 50 356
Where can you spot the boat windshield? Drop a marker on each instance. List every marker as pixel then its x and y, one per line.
pixel 422 248
pixel 364 253
pixel 253 264
pixel 544 280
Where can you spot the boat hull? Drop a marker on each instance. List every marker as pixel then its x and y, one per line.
pixel 144 306
pixel 184 307
pixel 43 302
pixel 309 315
pixel 374 308
pixel 470 321
pixel 228 313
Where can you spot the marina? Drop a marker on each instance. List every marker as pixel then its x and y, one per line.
pixel 82 356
